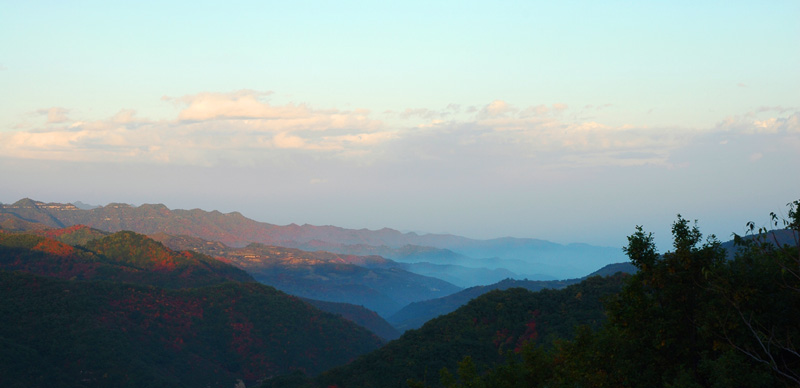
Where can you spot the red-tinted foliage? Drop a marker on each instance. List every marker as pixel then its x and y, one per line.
pixel 54 233
pixel 54 247
pixel 530 333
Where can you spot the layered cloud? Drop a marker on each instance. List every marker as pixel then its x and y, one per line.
pixel 243 104
pixel 54 114
pixel 752 123
pixel 247 109
pixel 243 127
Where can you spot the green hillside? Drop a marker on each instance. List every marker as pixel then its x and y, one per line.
pixel 416 314
pixel 487 328
pixel 124 310
pixel 61 333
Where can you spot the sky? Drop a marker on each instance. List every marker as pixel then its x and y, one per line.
pixel 568 121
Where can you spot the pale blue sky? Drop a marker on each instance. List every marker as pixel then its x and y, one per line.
pixel 569 121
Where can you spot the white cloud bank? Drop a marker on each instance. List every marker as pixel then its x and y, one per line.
pixel 243 128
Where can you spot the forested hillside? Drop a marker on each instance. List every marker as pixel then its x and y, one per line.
pixel 124 310
pixel 60 333
pixel 689 317
pixel 416 314
pixel 489 328
pixel 121 257
pixel 360 315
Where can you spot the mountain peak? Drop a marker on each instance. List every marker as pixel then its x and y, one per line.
pixel 117 205
pixel 26 203
pixel 154 206
pixel 84 206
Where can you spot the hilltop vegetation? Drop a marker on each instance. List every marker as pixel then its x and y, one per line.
pixel 121 257
pixel 124 310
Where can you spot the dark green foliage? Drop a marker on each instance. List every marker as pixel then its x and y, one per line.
pixel 660 313
pixel 102 333
pixel 489 329
pixel 363 317
pixel 687 318
pixel 112 334
pixel 416 314
pixel 691 317
pixel 760 295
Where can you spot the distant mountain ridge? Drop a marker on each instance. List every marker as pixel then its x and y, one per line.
pixel 525 257
pixel 379 284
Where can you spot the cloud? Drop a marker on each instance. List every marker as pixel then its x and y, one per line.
pixel 427 114
pixel 239 128
pixel 124 116
pixel 211 127
pixel 244 110
pixel 455 108
pixel 538 110
pixel 544 110
pixel 422 112
pixel 243 104
pixel 497 108
pixel 751 123
pixel 776 109
pixel 284 140
pixel 54 115
pixel 583 143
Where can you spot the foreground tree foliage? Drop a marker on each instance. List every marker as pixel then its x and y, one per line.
pixel 688 318
pixel 762 293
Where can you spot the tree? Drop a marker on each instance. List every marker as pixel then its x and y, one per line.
pixel 761 290
pixel 658 314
